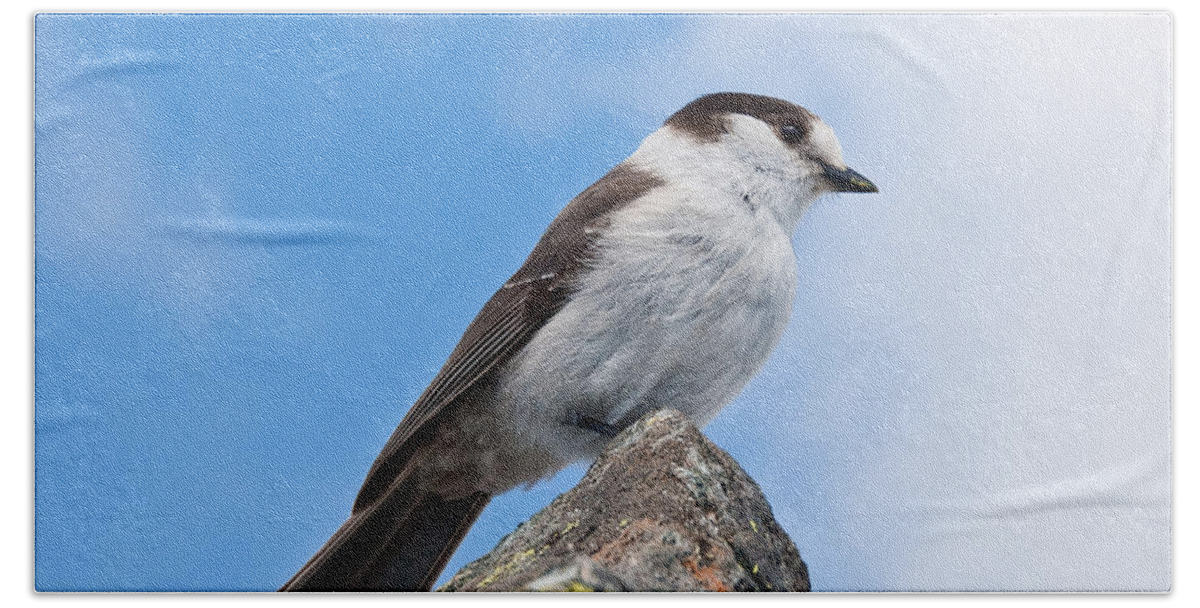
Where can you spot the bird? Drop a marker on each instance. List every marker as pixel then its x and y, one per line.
pixel 666 283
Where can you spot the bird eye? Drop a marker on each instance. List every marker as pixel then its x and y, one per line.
pixel 792 134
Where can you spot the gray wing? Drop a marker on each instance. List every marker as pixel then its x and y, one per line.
pixel 511 317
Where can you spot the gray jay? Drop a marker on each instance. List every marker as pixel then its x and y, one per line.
pixel 666 283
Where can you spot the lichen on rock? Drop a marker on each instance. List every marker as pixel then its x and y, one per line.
pixel 662 509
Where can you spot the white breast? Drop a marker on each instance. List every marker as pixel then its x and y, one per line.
pixel 688 296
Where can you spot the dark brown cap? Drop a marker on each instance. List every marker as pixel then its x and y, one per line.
pixel 705 117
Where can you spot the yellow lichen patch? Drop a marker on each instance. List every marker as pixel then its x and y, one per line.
pixel 754 526
pixel 503 568
pixel 577 586
pixel 755 570
pixel 570 526
pixel 624 522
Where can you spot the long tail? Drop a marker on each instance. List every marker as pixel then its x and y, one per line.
pixel 400 543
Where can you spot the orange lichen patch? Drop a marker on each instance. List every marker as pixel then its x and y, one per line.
pixel 706 576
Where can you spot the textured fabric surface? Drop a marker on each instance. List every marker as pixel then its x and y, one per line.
pixel 259 236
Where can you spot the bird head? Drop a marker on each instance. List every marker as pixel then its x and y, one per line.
pixel 761 146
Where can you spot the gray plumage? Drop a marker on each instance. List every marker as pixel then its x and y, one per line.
pixel 666 283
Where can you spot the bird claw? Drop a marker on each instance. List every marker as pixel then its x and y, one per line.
pixel 596 426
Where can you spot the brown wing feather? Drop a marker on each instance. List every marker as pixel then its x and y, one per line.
pixel 510 318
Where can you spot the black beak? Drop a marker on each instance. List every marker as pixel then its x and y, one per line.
pixel 848 180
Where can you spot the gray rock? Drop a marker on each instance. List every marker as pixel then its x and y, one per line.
pixel 662 509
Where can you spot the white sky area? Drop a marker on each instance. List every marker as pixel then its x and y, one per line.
pixel 978 369
pixel 974 393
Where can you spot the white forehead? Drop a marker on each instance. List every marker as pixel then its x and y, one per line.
pixel 825 143
pixel 821 139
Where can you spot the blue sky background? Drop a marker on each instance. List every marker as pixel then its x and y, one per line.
pixel 258 237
